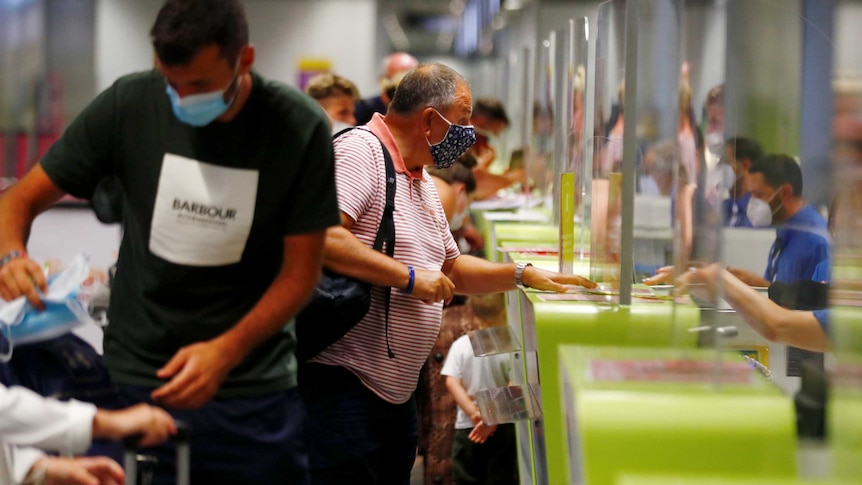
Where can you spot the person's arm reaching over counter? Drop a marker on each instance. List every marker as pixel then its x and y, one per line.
pixel 797 328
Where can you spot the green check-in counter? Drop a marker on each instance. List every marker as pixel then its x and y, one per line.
pixel 736 480
pixel 675 412
pixel 548 320
pixel 534 226
pixel 844 403
pixel 844 412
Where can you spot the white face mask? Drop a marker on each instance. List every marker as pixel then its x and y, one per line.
pixel 728 176
pixel 715 143
pixel 759 213
pixel 457 221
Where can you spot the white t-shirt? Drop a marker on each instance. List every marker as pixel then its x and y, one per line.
pixel 476 373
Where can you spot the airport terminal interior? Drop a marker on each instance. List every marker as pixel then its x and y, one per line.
pixel 638 151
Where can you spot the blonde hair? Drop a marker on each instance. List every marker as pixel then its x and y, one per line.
pixel 489 308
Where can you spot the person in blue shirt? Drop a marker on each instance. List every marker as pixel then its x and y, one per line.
pixel 802 240
pixel 739 210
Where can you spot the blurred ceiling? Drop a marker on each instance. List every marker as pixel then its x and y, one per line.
pixel 445 27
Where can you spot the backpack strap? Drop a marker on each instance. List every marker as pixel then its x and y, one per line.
pixel 386 228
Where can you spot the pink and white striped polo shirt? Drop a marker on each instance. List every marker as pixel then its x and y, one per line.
pixel 422 240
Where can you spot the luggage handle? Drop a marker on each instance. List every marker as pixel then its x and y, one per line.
pixel 131 457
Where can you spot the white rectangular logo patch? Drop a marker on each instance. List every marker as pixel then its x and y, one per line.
pixel 203 212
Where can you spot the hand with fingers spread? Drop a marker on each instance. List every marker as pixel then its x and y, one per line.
pixel 196 372
pixel 432 286
pixel 20 275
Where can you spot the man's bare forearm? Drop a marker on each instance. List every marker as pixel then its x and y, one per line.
pixel 347 255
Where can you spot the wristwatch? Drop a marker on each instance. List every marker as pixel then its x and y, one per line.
pixel 519 273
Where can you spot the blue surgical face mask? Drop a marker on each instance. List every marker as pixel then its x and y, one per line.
pixel 200 109
pixel 457 140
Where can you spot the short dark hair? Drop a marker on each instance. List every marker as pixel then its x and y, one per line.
pixel 183 27
pixel 462 171
pixel 779 169
pixel 744 148
pixel 491 108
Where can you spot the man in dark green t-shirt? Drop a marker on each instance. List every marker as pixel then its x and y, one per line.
pixel 228 189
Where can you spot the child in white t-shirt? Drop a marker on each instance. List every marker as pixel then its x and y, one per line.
pixel 481 453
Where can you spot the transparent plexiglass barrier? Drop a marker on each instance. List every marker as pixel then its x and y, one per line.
pixel 509 404
pixel 493 340
pixel 844 411
pixel 730 146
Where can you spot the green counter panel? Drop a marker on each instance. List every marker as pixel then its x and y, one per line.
pixel 844 420
pixel 845 434
pixel 674 421
pixel 844 406
pixel 567 322
pixel 531 226
pixel 690 480
pixel 515 231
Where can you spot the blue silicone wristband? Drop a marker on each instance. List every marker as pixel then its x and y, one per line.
pixel 412 280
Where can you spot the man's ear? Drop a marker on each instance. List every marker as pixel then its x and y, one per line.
pixel 460 188
pixel 246 58
pixel 426 117
pixel 746 163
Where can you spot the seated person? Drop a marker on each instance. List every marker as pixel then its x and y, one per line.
pixel 802 240
pixel 739 210
pixel 337 96
pixel 27 419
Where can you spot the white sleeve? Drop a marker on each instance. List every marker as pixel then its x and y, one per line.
pixel 22 461
pixel 454 361
pixel 28 419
